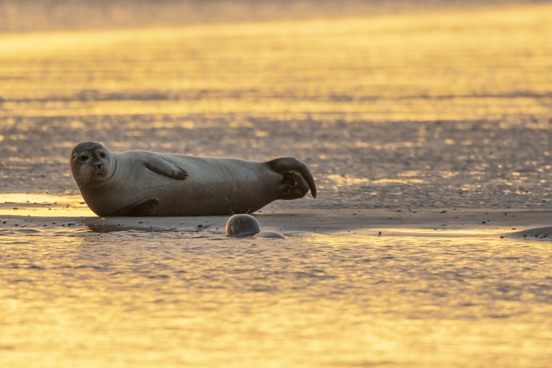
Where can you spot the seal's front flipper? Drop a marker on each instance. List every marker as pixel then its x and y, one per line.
pixel 147 207
pixel 164 167
pixel 297 178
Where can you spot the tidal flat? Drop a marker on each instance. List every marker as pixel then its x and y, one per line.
pixel 429 134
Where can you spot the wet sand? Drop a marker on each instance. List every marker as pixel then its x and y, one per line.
pixel 429 133
pixel 437 110
pixel 55 212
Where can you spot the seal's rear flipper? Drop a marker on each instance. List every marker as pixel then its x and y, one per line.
pixel 297 178
pixel 147 207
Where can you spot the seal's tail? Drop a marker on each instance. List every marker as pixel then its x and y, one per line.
pixel 297 178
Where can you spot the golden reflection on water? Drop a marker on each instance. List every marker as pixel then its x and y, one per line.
pixel 448 66
pixel 74 298
pixel 43 205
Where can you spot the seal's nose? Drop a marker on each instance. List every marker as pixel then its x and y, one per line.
pixel 98 165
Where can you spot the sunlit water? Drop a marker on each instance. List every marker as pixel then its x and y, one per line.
pixel 429 110
pixel 126 299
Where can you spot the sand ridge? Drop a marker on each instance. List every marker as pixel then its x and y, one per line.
pixel 377 222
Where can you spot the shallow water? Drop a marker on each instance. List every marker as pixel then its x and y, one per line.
pixel 135 298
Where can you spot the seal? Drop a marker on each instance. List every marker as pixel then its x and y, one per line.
pixel 269 235
pixel 242 225
pixel 141 183
pixel 245 225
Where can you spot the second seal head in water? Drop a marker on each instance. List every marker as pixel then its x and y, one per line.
pixel 242 225
pixel 245 225
pixel 141 183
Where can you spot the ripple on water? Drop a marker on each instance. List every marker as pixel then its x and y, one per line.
pixel 192 290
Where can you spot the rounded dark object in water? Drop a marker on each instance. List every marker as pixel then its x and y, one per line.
pixel 242 225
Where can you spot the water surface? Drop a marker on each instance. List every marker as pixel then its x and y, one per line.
pixel 79 298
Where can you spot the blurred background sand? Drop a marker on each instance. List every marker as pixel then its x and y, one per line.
pixel 392 104
pixel 29 15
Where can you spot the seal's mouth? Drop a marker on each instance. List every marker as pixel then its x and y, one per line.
pixel 99 169
pixel 89 174
pixel 92 168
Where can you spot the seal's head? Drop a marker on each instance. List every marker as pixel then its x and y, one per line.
pixel 242 225
pixel 90 162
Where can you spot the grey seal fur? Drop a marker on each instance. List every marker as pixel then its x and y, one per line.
pixel 141 183
pixel 242 225
pixel 245 225
pixel 269 235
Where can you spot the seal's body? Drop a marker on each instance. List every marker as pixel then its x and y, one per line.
pixel 140 183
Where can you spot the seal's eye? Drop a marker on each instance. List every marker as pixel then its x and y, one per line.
pixel 102 155
pixel 84 158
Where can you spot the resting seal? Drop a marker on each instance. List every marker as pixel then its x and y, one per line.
pixel 140 183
